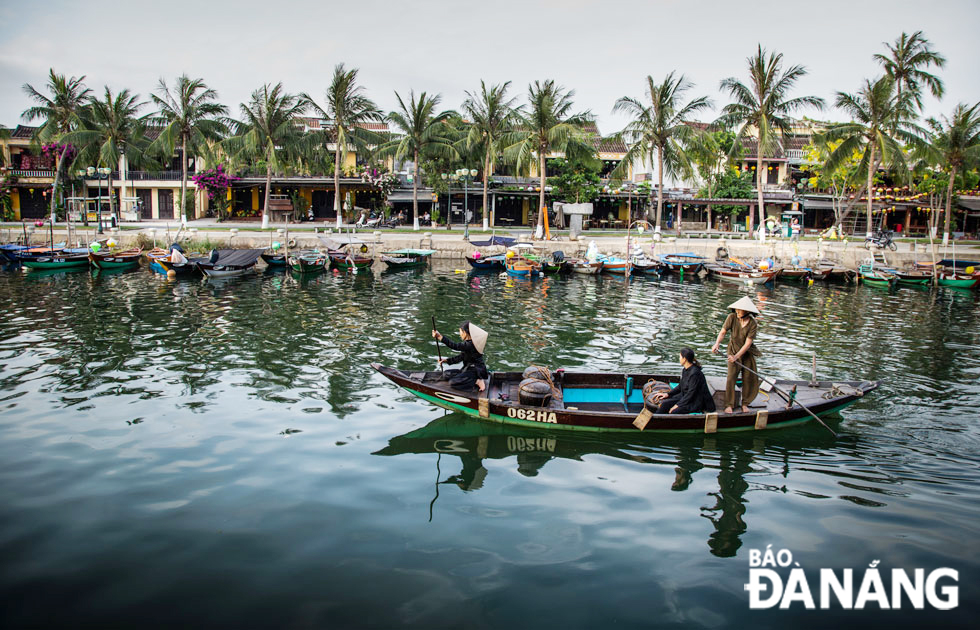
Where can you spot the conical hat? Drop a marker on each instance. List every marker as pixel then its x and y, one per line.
pixel 745 304
pixel 479 337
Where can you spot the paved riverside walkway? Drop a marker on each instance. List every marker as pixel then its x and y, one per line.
pixel 451 244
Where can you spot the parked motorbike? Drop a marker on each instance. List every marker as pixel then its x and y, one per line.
pixel 881 239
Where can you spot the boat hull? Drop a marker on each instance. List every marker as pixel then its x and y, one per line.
pixel 967 282
pixel 307 265
pixel 743 277
pixel 56 261
pixel 431 386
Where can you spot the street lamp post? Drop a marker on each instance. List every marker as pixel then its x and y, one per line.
pixel 465 174
pixel 100 174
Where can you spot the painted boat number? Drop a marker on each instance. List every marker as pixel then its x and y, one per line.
pixel 533 414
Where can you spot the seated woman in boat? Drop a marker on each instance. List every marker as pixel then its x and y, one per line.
pixel 473 374
pixel 692 394
pixel 741 349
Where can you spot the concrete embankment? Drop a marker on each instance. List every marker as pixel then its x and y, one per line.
pixel 451 246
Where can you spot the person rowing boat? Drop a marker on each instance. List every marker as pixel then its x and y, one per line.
pixel 742 352
pixel 473 341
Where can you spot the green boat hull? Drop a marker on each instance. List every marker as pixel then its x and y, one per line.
pixel 876 282
pixel 916 282
pixel 74 264
pixel 117 265
pixel 960 284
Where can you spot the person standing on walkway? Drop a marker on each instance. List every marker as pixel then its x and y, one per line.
pixel 741 349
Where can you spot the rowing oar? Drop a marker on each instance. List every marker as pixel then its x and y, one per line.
pixel 790 399
pixel 438 348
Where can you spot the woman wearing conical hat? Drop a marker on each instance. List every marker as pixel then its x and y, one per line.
pixel 741 349
pixel 473 374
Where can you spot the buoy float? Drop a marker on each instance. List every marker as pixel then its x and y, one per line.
pixel 171 274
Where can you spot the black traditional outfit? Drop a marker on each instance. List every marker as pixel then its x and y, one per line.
pixel 471 356
pixel 691 395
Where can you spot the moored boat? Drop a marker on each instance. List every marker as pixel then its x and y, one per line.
pixel 407 258
pixel 686 262
pixel 876 277
pixel 611 402
pixel 479 262
pixel 614 265
pixel 225 263
pixel 521 267
pixel 585 267
pixel 741 275
pixel 350 262
pixel 958 280
pixel 126 259
pixel 803 274
pixel 308 262
pixel 48 258
pixel 275 259
pixel 911 277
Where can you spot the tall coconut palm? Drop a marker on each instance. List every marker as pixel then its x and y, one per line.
pixel 111 126
pixel 763 107
pixel 347 110
pixel 955 144
pixel 548 125
pixel 420 132
pixel 192 117
pixel 906 62
pixel 268 131
pixel 491 115
pixel 60 110
pixel 881 120
pixel 660 127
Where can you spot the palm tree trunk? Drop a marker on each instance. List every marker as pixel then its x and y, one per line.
pixel 486 190
pixel 54 184
pixel 268 189
pixel 336 185
pixel 871 163
pixel 660 189
pixel 541 208
pixel 949 206
pixel 112 211
pixel 758 191
pixel 415 195
pixel 183 180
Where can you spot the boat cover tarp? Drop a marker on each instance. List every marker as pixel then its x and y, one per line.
pixel 238 257
pixel 958 264
pixel 341 241
pixel 503 241
pixel 410 252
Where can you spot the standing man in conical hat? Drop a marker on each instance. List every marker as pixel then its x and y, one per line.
pixel 473 374
pixel 741 349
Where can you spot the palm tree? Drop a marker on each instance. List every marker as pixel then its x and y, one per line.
pixel 955 144
pixel 906 61
pixel 110 126
pixel 880 122
pixel 548 126
pixel 267 130
pixel 422 133
pixel 662 127
pixel 347 110
pixel 60 111
pixel 763 106
pixel 191 117
pixel 491 115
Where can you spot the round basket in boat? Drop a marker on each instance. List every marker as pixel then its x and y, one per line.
pixel 651 389
pixel 537 372
pixel 534 392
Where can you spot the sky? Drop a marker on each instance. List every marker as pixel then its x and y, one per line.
pixel 601 50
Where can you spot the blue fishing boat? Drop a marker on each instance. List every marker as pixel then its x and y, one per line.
pixel 687 262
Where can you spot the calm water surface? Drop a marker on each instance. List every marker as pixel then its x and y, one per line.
pixel 219 454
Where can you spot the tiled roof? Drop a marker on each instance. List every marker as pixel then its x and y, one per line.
pixel 603 145
pixel 317 123
pixel 23 132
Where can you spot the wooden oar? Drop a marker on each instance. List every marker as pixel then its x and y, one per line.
pixel 438 348
pixel 789 399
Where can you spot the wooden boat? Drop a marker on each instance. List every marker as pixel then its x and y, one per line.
pixel 225 263
pixel 687 262
pixel 647 267
pixel 275 260
pixel 127 259
pixel 308 262
pixel 585 267
pixel 911 277
pixel 54 258
pixel 350 262
pixel 521 267
pixel 876 278
pixel 486 263
pixel 803 274
pixel 551 266
pixel 610 402
pixel 407 258
pixel 836 271
pixel 958 280
pixel 741 275
pixel 9 251
pixel 614 265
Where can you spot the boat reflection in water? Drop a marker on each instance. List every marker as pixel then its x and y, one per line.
pixel 730 457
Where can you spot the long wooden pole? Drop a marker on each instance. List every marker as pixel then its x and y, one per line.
pixel 789 399
pixel 438 348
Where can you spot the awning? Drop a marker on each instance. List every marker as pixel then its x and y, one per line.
pixel 818 204
pixel 341 241
pixel 401 196
pixel 969 204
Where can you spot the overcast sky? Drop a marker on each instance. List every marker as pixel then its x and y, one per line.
pixel 602 50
